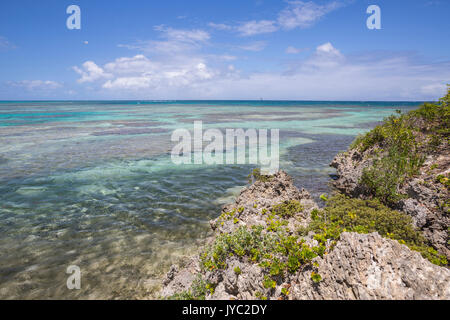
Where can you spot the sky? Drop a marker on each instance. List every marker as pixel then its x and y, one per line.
pixel 233 49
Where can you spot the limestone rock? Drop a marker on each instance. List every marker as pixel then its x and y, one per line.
pixel 367 266
pixel 424 196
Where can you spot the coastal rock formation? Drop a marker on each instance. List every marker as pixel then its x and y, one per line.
pixel 358 266
pixel 424 196
pixel 263 195
pixel 275 243
pixel 367 266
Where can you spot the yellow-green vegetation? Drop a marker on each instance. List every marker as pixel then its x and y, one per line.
pixel 227 216
pixel 400 145
pixel 316 277
pixel 198 291
pixel 364 216
pixel 237 271
pixel 444 180
pixel 260 296
pixel 285 291
pixel 273 247
pixel 276 220
pixel 287 209
pixel 257 176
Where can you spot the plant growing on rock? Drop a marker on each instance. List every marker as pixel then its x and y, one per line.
pixel 198 290
pixel 343 214
pixel 287 209
pixel 399 146
pixel 256 175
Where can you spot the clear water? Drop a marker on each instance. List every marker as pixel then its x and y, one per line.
pixel 92 184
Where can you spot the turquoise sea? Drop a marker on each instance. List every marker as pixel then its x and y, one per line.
pixel 92 184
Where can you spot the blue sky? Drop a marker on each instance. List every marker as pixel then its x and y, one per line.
pixel 298 50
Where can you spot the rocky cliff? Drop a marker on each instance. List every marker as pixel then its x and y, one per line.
pixel 410 155
pixel 357 266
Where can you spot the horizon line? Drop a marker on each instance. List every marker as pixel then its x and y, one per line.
pixel 206 100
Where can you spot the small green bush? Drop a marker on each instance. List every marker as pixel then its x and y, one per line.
pixel 364 216
pixel 287 209
pixel 398 154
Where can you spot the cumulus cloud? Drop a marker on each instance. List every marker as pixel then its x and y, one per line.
pixel 90 72
pixel 176 62
pixel 325 74
pixel 139 72
pixel 325 56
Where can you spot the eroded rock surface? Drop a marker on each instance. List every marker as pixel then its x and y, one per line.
pixel 360 266
pixel 263 196
pixel 425 197
pixel 367 266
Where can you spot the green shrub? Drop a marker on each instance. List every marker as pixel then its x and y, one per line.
pixel 364 216
pixel 242 242
pixel 287 209
pixel 364 142
pixel 397 151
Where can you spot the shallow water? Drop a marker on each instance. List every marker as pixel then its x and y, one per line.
pixel 92 184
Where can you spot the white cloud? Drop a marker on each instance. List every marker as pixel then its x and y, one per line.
pixel 300 14
pixel 293 50
pixel 184 35
pixel 90 72
pixel 254 46
pixel 174 41
pixel 131 65
pixel 220 26
pixel 176 63
pixel 327 48
pixel 434 89
pixel 31 85
pixel 254 27
pixel 129 83
pixel 325 56
pixel 297 14
pixel 139 72
pixel 327 74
